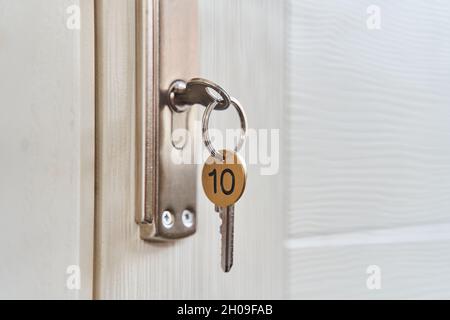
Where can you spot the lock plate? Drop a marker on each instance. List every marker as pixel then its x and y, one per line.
pixel 166 50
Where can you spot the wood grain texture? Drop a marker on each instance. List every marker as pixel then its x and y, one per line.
pixel 412 266
pixel 47 149
pixel 368 149
pixel 235 52
pixel 369 139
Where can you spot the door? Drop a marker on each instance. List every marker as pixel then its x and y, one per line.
pixel 369 147
pixel 128 267
pixel 358 207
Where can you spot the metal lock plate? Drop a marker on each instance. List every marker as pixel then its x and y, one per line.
pixel 166 49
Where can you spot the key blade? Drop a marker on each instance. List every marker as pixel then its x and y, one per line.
pixel 227 233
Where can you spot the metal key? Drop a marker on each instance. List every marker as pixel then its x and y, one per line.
pixel 224 183
pixel 227 235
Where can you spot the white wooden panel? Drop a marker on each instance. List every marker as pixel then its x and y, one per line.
pixel 368 115
pixel 414 264
pixel 47 148
pixel 234 53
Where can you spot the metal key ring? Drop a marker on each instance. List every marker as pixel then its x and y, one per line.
pixel 205 128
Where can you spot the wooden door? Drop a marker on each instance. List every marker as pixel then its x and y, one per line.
pixel 356 208
pixel 367 112
pixel 234 52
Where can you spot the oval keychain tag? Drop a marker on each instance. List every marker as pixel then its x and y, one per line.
pixel 224 181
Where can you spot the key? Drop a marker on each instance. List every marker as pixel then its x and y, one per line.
pixel 227 234
pixel 224 183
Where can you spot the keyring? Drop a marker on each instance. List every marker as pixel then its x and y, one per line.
pixel 205 127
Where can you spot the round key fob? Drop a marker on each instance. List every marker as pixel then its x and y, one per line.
pixel 224 181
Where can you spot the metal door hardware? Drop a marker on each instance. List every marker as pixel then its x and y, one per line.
pixel 166 49
pixel 166 189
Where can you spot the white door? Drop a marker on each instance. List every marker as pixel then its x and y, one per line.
pixel 367 112
pixel 234 52
pixel 359 207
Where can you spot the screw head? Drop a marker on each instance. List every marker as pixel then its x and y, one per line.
pixel 188 218
pixel 168 219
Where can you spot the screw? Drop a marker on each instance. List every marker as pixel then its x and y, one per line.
pixel 167 219
pixel 188 218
